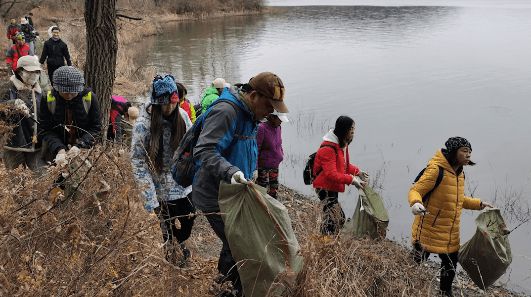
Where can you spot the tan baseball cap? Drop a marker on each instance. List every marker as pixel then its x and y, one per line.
pixel 270 85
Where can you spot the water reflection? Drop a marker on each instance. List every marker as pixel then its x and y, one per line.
pixel 410 76
pixel 197 52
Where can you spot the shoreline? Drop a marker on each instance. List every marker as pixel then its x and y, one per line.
pixel 301 207
pixel 132 76
pixel 293 200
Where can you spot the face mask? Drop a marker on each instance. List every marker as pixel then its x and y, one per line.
pixel 29 78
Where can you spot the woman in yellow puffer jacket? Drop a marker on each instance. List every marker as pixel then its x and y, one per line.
pixel 437 215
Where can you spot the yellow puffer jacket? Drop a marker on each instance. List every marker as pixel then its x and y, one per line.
pixel 438 230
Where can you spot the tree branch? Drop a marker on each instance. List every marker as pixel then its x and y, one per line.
pixel 119 15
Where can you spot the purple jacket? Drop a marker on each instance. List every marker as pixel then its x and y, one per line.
pixel 269 140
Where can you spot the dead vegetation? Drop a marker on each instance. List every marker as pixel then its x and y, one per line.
pixel 97 240
pixel 94 240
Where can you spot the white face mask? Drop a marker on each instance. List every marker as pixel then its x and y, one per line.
pixel 29 78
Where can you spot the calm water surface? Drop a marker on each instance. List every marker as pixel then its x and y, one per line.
pixel 410 76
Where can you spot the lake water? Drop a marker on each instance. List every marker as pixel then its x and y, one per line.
pixel 411 76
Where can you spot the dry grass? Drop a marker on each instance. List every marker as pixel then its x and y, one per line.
pixel 345 266
pixel 5 126
pixel 97 240
pixel 132 76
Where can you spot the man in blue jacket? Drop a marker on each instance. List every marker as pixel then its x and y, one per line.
pixel 226 150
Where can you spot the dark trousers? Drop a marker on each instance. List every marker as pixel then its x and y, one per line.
pixel 182 210
pixel 268 178
pixel 226 263
pixel 333 215
pixel 51 70
pixel 448 266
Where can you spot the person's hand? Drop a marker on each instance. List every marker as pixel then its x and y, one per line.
pixel 84 144
pixel 358 183
pixel 255 175
pixel 364 176
pixel 22 107
pixel 60 158
pixel 418 209
pixel 485 204
pixel 73 152
pixel 238 178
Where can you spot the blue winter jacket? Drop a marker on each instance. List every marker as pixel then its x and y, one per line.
pixel 227 144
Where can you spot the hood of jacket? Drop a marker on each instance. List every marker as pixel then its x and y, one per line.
pixel 331 137
pixel 211 91
pixel 440 160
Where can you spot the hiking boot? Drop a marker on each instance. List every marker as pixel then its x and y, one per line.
pixel 186 255
pixel 220 278
pixel 169 252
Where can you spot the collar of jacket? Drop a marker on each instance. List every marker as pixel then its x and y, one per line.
pixel 22 86
pixel 211 90
pixel 234 96
pixel 77 98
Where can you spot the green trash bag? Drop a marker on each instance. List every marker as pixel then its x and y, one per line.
pixel 370 217
pixel 261 239
pixel 487 255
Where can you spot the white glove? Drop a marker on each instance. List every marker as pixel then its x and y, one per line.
pixel 60 158
pixel 418 209
pixel 238 178
pixel 255 175
pixel 73 152
pixel 356 181
pixel 22 107
pixel 364 176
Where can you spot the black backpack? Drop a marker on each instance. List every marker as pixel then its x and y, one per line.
pixel 183 169
pixel 307 174
pixel 437 182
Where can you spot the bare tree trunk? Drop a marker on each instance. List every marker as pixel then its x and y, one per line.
pixel 102 46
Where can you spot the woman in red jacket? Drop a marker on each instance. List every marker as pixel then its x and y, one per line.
pixel 18 50
pixel 332 171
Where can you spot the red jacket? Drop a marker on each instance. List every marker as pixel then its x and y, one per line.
pixel 12 30
pixel 187 107
pixel 331 171
pixel 15 52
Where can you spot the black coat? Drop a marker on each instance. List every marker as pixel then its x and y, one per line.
pixel 29 32
pixel 52 125
pixel 56 51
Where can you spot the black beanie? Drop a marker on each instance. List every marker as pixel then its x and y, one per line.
pixel 454 143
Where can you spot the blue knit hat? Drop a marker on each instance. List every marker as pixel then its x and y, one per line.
pixel 163 88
